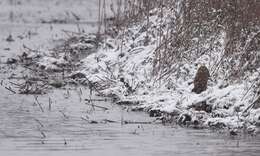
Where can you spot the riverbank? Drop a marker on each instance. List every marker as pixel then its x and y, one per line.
pixel 55 105
pixel 127 63
pixel 121 64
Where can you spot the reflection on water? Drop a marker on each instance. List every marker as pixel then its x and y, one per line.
pixel 69 126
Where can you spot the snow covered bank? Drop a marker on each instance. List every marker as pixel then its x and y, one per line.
pixel 126 69
pixel 135 67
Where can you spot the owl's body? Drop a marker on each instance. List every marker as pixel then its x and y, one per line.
pixel 201 80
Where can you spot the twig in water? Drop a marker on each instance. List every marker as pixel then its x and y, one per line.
pixel 75 16
pixel 10 89
pixel 110 121
pixel 80 90
pixel 92 86
pixel 84 119
pixel 79 94
pixel 43 134
pixel 79 29
pixel 136 122
pixel 50 102
pixel 72 33
pixel 89 121
pixel 91 102
pixel 97 106
pixel 68 94
pixel 36 99
pixel 65 142
pixel 135 132
pixel 38 121
pixel 65 116
pixel 122 118
pixel 104 99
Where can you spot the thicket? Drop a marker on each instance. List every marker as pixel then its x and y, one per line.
pixel 198 27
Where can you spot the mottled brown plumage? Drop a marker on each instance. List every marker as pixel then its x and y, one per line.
pixel 201 80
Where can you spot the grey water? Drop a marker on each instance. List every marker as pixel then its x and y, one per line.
pixel 69 125
pixel 72 126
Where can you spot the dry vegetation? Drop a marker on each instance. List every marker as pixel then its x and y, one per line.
pixel 194 24
pixel 196 28
pixel 148 45
pixel 200 23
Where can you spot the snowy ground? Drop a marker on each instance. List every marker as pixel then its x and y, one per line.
pixel 24 125
pixel 129 56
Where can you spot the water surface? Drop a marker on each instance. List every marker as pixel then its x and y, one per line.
pixel 70 125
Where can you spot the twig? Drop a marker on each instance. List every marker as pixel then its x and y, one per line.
pixel 248 90
pixel 90 121
pixel 65 116
pixel 97 106
pixel 43 134
pixel 75 16
pixel 38 121
pixel 84 119
pixel 36 99
pixel 136 122
pixel 32 50
pixel 80 91
pixel 73 33
pixel 252 104
pixel 16 84
pixel 93 85
pixel 9 88
pixel 50 102
pixel 89 100
pixel 17 78
pixel 110 121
